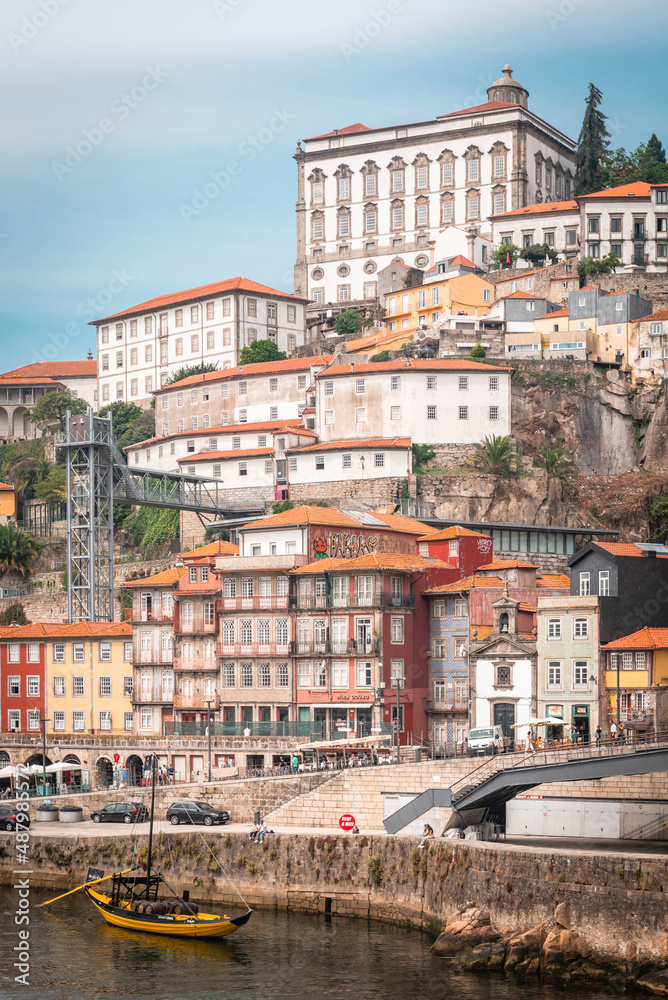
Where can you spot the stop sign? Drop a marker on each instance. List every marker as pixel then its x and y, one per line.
pixel 347 822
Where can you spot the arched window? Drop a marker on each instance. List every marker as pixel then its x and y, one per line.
pixel 498 95
pixel 512 97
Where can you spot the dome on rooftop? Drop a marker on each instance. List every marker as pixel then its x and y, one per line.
pixel 508 89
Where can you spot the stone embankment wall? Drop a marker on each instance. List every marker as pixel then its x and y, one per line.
pixel 618 903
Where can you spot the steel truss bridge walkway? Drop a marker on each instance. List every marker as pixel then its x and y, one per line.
pixel 97 477
pixel 501 778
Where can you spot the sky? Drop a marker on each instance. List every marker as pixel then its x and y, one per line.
pixel 115 114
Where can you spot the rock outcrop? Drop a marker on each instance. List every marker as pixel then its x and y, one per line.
pixel 470 942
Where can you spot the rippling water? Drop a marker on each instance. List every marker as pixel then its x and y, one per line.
pixel 75 955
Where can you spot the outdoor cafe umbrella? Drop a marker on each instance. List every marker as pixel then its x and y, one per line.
pixel 549 721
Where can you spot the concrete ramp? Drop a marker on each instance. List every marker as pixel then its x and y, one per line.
pixel 439 798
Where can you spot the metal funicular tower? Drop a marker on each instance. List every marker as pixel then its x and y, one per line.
pixel 97 477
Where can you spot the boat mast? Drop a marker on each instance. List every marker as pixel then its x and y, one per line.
pixel 150 829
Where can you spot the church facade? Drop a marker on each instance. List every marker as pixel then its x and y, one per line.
pixel 367 196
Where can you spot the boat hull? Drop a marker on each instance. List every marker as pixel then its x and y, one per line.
pixel 204 925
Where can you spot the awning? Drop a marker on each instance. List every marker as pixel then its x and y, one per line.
pixel 342 744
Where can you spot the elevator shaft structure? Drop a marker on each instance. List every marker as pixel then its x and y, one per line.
pixel 97 477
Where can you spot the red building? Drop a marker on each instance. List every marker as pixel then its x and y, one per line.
pixel 22 677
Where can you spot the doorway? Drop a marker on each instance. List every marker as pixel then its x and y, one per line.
pixel 504 716
pixel 363 721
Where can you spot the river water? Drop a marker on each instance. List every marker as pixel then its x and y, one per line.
pixel 74 955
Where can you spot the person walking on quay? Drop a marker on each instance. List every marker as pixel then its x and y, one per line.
pixel 622 732
pixel 598 734
pixel 613 731
pixel 295 764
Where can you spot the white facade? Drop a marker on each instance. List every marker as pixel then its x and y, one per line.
pixel 557 225
pixel 433 402
pixel 518 693
pixel 367 195
pixel 139 348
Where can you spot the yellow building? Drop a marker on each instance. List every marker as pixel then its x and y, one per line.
pixel 7 502
pixel 438 299
pixel 88 682
pixel 632 665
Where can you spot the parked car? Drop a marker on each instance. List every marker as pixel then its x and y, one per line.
pixel 195 812
pixel 10 816
pixel 121 812
pixel 489 740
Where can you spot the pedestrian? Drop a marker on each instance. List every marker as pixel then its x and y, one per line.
pixel 613 731
pixel 598 734
pixel 247 732
pixel 622 732
pixel 576 735
pixel 295 764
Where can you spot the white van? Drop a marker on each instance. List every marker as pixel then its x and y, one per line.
pixel 489 740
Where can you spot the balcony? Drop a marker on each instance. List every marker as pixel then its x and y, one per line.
pixel 377 600
pixel 333 648
pixel 271 603
pixel 197 625
pixel 639 716
pixel 196 702
pixel 207 663
pixel 149 698
pixel 448 705
pixel 140 616
pixel 140 656
pixel 252 649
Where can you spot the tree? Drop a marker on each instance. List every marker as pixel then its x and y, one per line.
pixel 54 405
pixel 641 164
pixel 347 322
pixel 140 429
pixel 13 614
pixel 189 370
pixel 282 505
pixel 655 150
pixel 260 351
pixel 478 351
pixel 27 473
pixel 382 356
pixel 123 415
pixel 538 253
pixel 503 256
pixel 556 462
pixel 53 488
pixel 597 265
pixel 18 551
pixel 422 454
pixel 496 455
pixel 592 145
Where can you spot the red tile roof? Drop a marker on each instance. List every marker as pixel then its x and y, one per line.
pixel 461 261
pixel 35 631
pixel 540 208
pixel 241 453
pixel 202 292
pixel 559 312
pixel 638 189
pixel 399 522
pixel 217 548
pixel 488 106
pixel 348 130
pixel 410 364
pixel 507 564
pixel 164 579
pixel 527 607
pixel 624 549
pixel 522 295
pixel 468 583
pixel 12 380
pixel 93 630
pixel 304 515
pixel 660 315
pixel 455 531
pixel 261 368
pixel 6 486
pixel 554 581
pixel 55 369
pixel 392 561
pixel 539 270
pixel 268 425
pixel 646 638
pixel 353 445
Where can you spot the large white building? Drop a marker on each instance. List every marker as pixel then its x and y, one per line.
pixel 630 220
pixel 367 195
pixel 320 421
pixel 139 348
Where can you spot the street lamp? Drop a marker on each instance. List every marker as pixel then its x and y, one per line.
pixel 209 703
pixel 43 723
pixel 398 683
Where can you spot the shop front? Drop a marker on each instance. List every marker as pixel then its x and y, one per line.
pixel 580 722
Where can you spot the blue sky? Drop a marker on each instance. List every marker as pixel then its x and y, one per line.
pixel 164 92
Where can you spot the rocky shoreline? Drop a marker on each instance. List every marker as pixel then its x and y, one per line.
pixel 471 943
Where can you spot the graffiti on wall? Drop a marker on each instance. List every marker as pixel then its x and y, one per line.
pixel 343 546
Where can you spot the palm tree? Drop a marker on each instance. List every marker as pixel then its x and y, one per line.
pixel 27 473
pixel 18 551
pixel 496 455
pixel 556 462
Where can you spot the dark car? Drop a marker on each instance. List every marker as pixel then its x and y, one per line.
pixel 11 816
pixel 121 812
pixel 195 812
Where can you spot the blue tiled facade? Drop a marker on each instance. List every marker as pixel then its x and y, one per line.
pixel 448 700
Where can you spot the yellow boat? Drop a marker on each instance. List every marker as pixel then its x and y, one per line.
pixel 193 924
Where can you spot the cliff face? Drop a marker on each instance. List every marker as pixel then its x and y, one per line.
pixel 615 433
